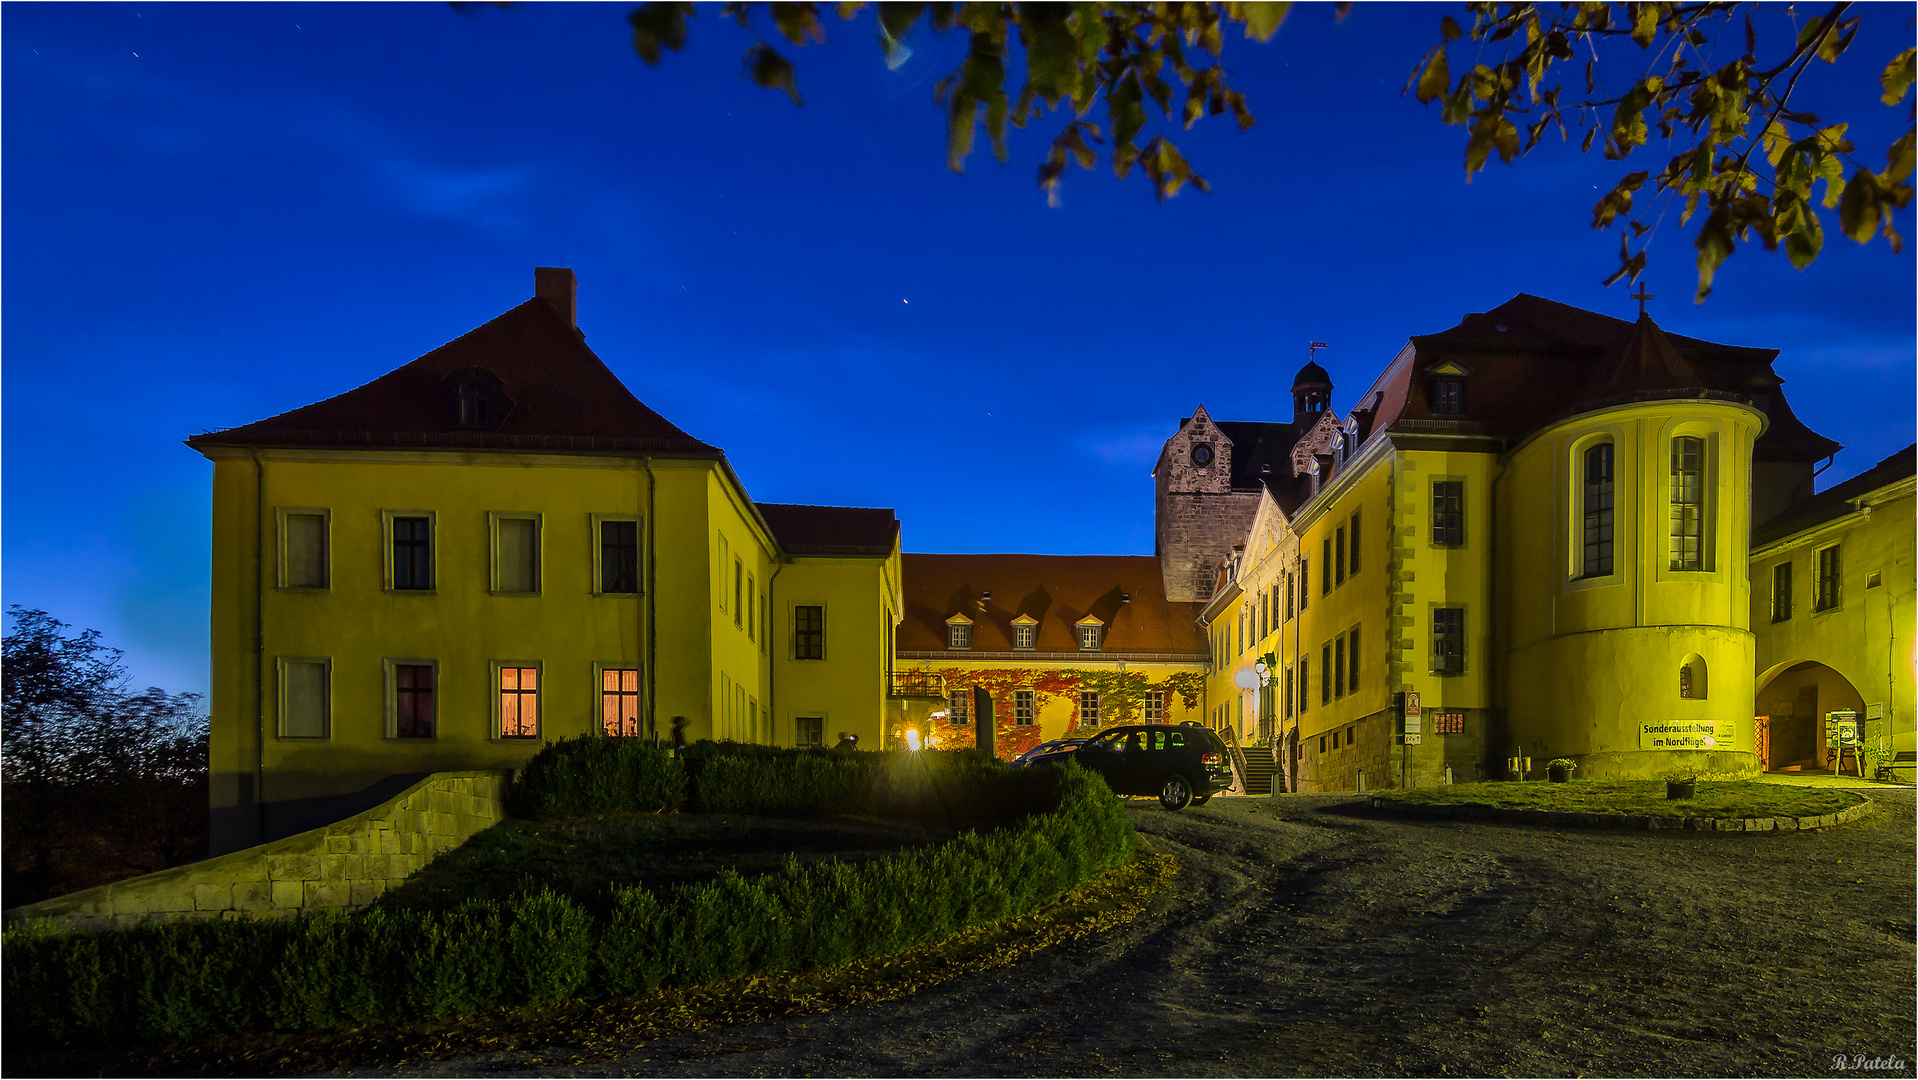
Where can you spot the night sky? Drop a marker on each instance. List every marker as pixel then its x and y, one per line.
pixel 218 213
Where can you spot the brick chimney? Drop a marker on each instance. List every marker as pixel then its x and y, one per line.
pixel 560 289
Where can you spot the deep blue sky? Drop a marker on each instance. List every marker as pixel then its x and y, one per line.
pixel 217 213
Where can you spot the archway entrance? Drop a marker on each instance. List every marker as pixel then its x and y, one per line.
pixel 1797 699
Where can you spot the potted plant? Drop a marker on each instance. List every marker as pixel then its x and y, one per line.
pixel 1559 770
pixel 1681 785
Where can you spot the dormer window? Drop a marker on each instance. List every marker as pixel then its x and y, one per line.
pixel 1025 633
pixel 958 632
pixel 1445 392
pixel 1091 633
pixel 479 399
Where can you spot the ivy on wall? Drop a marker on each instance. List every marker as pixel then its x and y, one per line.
pixel 1121 700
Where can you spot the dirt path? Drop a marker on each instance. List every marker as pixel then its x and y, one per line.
pixel 1308 937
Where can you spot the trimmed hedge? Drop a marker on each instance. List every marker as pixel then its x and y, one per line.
pixel 597 775
pixel 185 979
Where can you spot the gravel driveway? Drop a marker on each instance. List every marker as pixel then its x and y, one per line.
pixel 1307 936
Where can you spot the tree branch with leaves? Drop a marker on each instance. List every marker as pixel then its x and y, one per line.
pixel 1739 148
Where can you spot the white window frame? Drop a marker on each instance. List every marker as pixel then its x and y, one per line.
pixel 493 696
pixel 280 514
pixel 600 668
pixel 1091 628
pixel 959 633
pixel 493 518
pixel 390 665
pixel 599 551
pixel 1025 634
pixel 279 696
pixel 1155 706
pixel 432 549
pixel 1031 698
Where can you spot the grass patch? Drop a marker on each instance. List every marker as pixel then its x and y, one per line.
pixel 1729 799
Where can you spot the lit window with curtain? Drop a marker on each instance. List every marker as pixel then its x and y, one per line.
pixel 619 701
pixel 518 702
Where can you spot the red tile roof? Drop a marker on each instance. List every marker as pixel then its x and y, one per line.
pixel 831 530
pixel 1058 590
pixel 1533 361
pixel 563 399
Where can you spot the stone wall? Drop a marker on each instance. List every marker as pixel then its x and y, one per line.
pixel 1196 530
pixel 342 865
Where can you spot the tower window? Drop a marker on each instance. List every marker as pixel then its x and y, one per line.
pixel 1598 511
pixel 1448 513
pixel 1448 641
pixel 1688 503
pixel 1202 454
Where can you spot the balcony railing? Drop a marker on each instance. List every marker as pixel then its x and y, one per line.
pixel 924 684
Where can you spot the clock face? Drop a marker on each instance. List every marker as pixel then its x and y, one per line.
pixel 1202 454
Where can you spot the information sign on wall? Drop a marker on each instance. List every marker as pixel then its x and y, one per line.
pixel 1686 734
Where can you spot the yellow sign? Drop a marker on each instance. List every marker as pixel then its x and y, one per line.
pixel 1686 734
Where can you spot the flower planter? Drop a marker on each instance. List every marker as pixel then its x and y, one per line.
pixel 1558 774
pixel 1681 789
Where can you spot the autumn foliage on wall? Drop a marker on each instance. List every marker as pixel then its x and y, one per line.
pixel 1121 701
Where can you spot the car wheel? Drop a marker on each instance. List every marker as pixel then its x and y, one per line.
pixel 1176 792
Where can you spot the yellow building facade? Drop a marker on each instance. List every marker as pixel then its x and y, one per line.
pixel 496 546
pixel 1831 597
pixel 1531 534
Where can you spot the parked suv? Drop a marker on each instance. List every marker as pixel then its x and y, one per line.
pixel 1181 764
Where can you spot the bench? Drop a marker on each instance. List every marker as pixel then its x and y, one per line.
pixel 1903 759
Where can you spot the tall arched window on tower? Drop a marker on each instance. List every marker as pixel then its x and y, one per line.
pixel 1688 503
pixel 1598 512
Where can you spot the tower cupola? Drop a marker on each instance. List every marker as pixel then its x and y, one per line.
pixel 1311 393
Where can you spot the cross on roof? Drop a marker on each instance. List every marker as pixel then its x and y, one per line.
pixel 1643 294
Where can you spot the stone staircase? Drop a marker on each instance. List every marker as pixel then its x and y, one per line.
pixel 1261 772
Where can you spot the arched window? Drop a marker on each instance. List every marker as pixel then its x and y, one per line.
pixel 1688 503
pixel 1597 512
pixel 1691 677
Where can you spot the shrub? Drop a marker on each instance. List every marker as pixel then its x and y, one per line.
pixel 183 980
pixel 597 775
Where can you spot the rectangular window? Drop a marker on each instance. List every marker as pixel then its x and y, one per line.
pixel 1688 504
pixel 809 732
pixel 303 549
pixel 1321 744
pixel 719 567
pixel 1352 662
pixel 305 698
pixel 958 635
pixel 752 605
pixel 1305 683
pixel 1448 513
pixel 739 586
pixel 1338 666
pixel 1325 674
pixel 809 632
pixel 1089 638
pixel 1825 585
pixel 1264 628
pixel 1089 708
pixel 1275 601
pixel 515 554
pixel 1338 573
pixel 412 552
pixel 518 702
pixel 765 622
pixel 1023 707
pixel 724 725
pixel 413 701
pixel 1325 568
pixel 1155 706
pixel 1288 596
pixel 1305 583
pixel 1448 641
pixel 619 556
pixel 1288 691
pixel 619 701
pixel 1353 564
pixel 1448 396
pixel 1781 592
pixel 1598 512
pixel 959 706
pixel 1025 636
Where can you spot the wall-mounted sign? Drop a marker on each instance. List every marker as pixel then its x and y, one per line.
pixel 1686 734
pixel 1411 719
